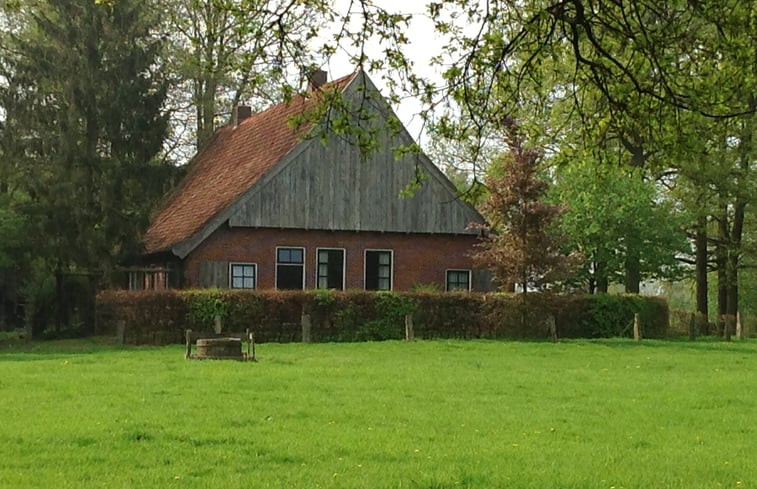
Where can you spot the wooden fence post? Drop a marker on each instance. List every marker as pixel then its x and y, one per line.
pixel 409 332
pixel 727 320
pixel 188 337
pixel 739 326
pixel 552 328
pixel 636 327
pixel 28 329
pixel 306 326
pixel 121 331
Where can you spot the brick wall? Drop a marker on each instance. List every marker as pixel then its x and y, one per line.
pixel 418 259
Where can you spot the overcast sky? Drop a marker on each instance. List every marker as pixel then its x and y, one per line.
pixel 424 43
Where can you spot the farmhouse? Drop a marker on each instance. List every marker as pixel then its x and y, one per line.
pixel 281 200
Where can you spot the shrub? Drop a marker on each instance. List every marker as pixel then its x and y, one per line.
pixel 161 316
pixel 203 307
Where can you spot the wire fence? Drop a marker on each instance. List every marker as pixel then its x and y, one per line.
pixel 743 325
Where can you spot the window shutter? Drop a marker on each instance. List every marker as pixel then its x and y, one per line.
pixel 481 281
pixel 214 274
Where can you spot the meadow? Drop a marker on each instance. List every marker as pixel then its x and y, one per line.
pixel 427 414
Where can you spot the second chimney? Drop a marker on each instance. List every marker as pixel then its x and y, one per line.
pixel 241 112
pixel 317 79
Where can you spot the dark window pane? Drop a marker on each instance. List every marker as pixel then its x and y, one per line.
pixel 378 270
pixel 458 280
pixel 289 277
pixel 330 269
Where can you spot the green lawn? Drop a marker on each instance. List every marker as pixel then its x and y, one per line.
pixel 429 414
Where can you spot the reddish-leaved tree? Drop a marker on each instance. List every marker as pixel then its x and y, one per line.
pixel 521 245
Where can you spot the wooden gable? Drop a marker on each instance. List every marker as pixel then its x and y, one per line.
pixel 333 186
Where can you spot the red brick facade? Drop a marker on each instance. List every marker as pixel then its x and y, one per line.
pixel 417 258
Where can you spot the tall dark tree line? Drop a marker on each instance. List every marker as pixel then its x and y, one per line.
pixel 82 96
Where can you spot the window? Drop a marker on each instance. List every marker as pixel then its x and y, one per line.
pixel 290 268
pixel 330 271
pixel 243 275
pixel 458 279
pixel 378 270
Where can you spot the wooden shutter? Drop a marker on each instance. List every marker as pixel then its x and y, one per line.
pixel 214 274
pixel 481 281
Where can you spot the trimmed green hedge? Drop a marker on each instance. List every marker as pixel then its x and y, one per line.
pixel 161 317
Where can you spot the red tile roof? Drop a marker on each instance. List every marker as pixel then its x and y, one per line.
pixel 232 161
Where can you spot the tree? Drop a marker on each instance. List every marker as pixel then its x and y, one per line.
pixel 521 245
pixel 224 53
pixel 611 211
pixel 83 100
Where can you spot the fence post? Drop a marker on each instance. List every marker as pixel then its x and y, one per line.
pixel 28 328
pixel 739 326
pixel 188 336
pixel 636 327
pixel 306 325
pixel 727 320
pixel 552 328
pixel 121 331
pixel 409 332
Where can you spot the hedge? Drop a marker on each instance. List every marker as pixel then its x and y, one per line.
pixel 161 317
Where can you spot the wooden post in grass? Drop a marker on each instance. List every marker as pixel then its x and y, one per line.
pixel 409 332
pixel 739 326
pixel 121 331
pixel 636 327
pixel 188 337
pixel 28 328
pixel 552 328
pixel 727 322
pixel 693 327
pixel 306 326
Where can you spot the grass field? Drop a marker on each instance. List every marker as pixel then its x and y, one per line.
pixel 430 414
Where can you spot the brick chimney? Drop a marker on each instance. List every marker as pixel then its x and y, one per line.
pixel 241 112
pixel 317 79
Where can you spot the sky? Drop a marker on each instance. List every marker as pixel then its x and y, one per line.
pixel 424 43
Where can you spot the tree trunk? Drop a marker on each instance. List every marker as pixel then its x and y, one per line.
pixel 603 283
pixel 734 257
pixel 700 242
pixel 633 271
pixel 58 298
pixel 635 146
pixel 721 261
pixel 2 307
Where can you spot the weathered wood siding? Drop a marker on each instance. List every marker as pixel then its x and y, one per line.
pixel 334 187
pixel 214 274
pixel 482 281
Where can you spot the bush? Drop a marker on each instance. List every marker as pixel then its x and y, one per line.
pixel 161 317
pixel 154 317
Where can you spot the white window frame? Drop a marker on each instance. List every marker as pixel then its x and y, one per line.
pixel 446 278
pixel 243 264
pixel 344 264
pixel 276 261
pixel 391 267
